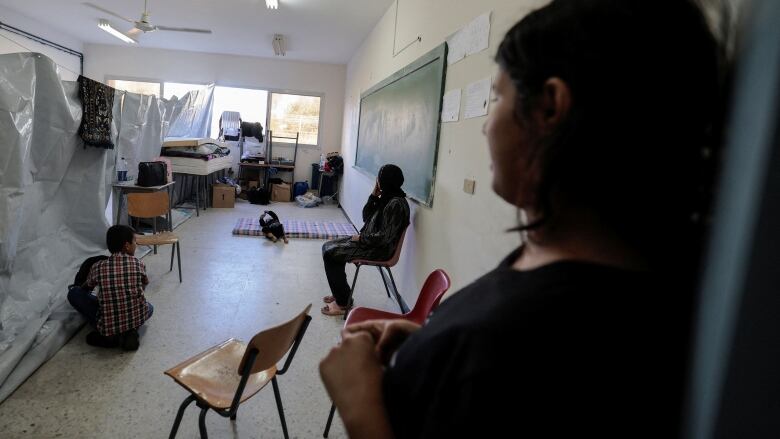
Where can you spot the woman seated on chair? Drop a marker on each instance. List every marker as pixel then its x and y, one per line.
pixel 385 217
pixel 597 133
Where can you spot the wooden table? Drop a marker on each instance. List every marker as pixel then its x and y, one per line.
pixel 127 187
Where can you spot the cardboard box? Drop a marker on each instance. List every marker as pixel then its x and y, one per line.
pixel 224 196
pixel 281 192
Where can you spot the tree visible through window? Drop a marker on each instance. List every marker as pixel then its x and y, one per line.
pixel 291 114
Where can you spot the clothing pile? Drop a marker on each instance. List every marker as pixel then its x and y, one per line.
pixel 231 182
pixel 308 200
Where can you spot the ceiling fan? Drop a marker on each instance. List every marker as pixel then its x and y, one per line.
pixel 143 25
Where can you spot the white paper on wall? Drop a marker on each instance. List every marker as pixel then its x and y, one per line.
pixel 477 98
pixel 456 47
pixel 450 107
pixel 470 39
pixel 478 34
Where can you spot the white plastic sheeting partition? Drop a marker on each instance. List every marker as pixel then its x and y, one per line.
pixel 190 115
pixel 53 196
pixel 140 130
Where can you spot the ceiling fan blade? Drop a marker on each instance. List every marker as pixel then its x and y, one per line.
pixel 93 6
pixel 184 29
pixel 134 33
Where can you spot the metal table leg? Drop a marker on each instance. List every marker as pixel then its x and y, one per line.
pixel 119 205
pixel 197 196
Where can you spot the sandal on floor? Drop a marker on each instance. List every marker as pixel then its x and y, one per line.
pixel 328 311
pixel 328 299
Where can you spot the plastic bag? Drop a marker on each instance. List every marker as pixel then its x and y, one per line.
pixel 308 200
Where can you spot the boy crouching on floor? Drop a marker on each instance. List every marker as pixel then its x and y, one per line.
pixel 120 307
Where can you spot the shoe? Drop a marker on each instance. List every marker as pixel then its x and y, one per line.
pixel 130 340
pixel 95 339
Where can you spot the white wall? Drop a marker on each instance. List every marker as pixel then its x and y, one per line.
pixel 13 43
pixel 462 233
pixel 102 61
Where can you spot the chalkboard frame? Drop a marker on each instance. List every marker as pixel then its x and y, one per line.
pixel 438 54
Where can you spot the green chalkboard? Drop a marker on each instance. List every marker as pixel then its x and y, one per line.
pixel 399 123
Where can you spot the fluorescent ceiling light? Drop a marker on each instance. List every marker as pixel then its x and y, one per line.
pixel 103 24
pixel 272 4
pixel 278 43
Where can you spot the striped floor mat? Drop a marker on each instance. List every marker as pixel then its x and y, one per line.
pixel 298 229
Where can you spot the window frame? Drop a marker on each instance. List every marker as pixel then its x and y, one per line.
pixel 134 79
pixel 301 93
pixel 162 85
pixel 269 90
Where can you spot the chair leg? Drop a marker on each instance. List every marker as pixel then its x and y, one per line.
pixel 384 281
pixel 397 294
pixel 330 419
pixel 154 231
pixel 279 406
pixel 173 250
pixel 351 293
pixel 179 415
pixel 202 423
pixel 178 256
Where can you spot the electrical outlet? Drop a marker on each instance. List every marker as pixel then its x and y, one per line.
pixel 468 186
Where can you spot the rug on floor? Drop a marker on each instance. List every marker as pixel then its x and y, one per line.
pixel 298 229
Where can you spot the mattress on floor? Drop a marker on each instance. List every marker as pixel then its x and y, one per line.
pixel 185 165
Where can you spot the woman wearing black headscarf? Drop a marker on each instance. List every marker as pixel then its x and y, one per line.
pixel 385 217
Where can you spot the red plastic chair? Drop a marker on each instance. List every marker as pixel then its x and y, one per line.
pixel 380 265
pixel 431 293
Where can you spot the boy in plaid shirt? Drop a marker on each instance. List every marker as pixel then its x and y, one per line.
pixel 120 307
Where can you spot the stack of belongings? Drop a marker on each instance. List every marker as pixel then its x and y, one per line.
pixel 198 148
pixel 196 156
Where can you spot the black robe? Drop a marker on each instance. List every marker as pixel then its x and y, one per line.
pixel 380 234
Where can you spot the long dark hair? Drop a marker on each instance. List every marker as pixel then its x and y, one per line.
pixel 637 145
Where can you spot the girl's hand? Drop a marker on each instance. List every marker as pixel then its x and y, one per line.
pixel 388 335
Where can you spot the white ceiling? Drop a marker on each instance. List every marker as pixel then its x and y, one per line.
pixel 315 30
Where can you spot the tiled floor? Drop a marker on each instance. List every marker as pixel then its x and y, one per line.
pixel 233 287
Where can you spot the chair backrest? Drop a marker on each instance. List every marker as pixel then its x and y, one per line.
pixel 431 293
pixel 271 344
pixel 147 204
pixel 397 254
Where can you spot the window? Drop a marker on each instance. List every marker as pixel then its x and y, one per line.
pixel 140 87
pixel 251 104
pixel 291 114
pixel 178 89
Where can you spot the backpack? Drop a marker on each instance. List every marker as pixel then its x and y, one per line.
pixel 83 273
pixel 258 196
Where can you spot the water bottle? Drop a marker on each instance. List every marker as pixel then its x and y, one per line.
pixel 121 170
pixel 322 160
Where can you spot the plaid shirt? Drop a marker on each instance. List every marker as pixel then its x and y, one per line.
pixel 122 305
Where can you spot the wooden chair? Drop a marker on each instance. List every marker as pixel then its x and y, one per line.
pixel 152 205
pixel 380 265
pixel 436 284
pixel 224 376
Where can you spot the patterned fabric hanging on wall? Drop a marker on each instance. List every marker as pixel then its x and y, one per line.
pixel 97 102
